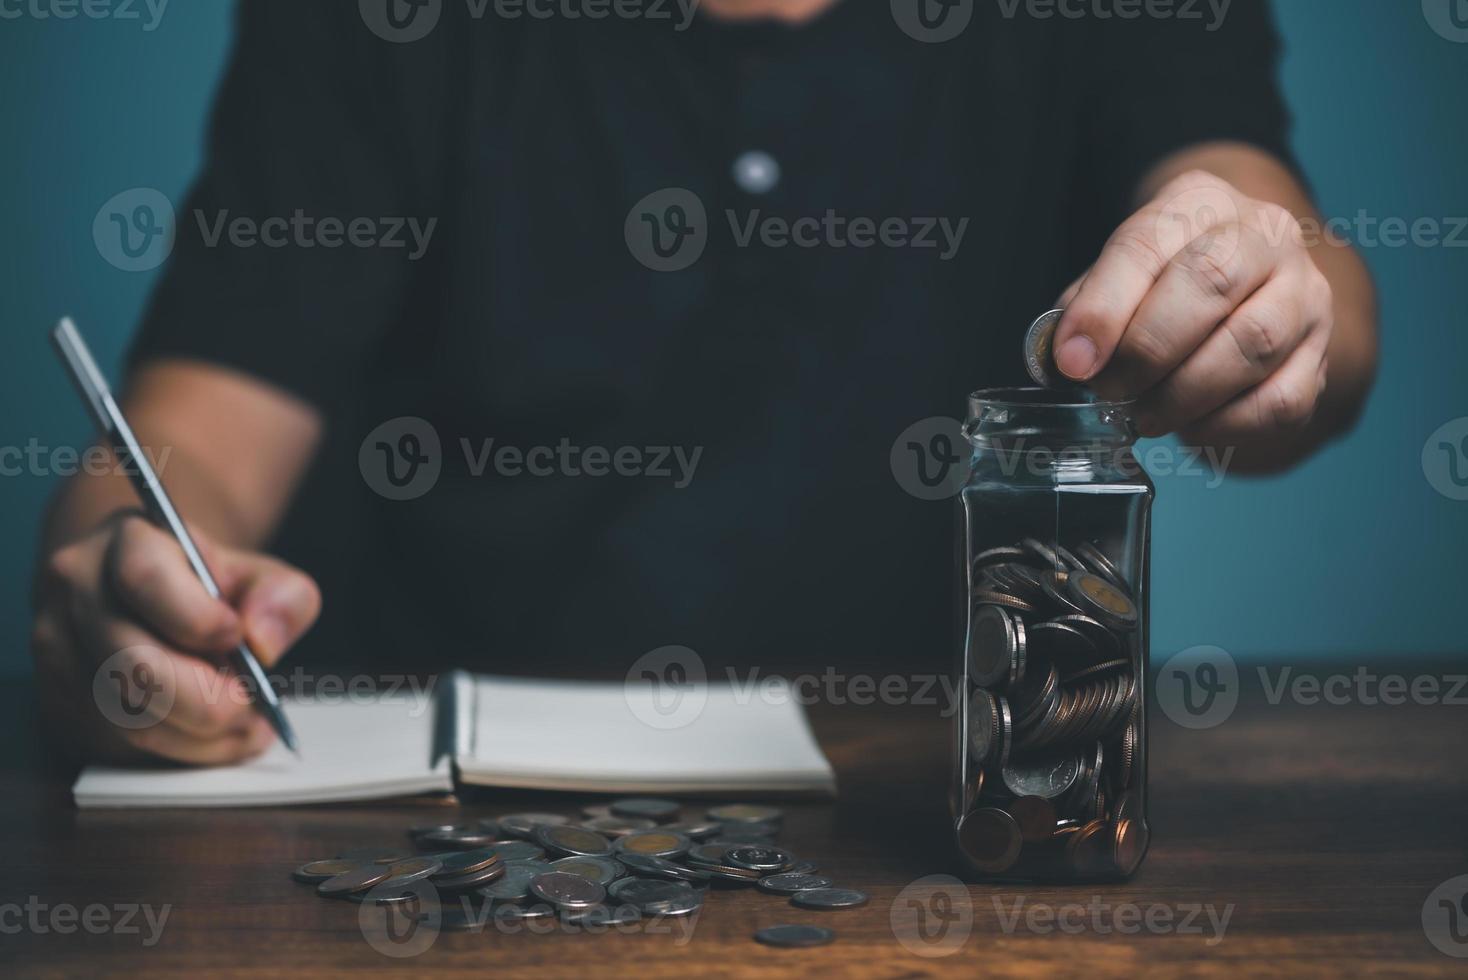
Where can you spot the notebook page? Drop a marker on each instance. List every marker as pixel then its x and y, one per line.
pixel 608 735
pixel 350 750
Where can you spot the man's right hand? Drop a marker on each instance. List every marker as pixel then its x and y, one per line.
pixel 132 654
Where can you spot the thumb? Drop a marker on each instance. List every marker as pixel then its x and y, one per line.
pixel 276 602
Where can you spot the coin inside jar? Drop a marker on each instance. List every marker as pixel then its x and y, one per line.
pixel 1035 815
pixel 1099 598
pixel 991 839
pixel 983 725
pixel 1048 777
pixel 992 642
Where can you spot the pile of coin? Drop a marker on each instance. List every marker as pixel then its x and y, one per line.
pixel 622 862
pixel 1051 731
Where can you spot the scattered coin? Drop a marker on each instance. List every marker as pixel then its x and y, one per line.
pixel 517 850
pixel 649 865
pixel 514 884
pixel 373 855
pixel 567 891
pixel 460 837
pixel 646 807
pixel 757 858
pixel 463 862
pixel 655 842
pixel 790 883
pixel 614 826
pixel 794 937
pixel 313 872
pixel 829 898
pixel 359 879
pixel 602 870
pixel 569 839
pixel 746 813
pixel 522 825
pixel 404 873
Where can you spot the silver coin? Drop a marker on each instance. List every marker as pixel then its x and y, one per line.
pixel 466 838
pixel 794 937
pixel 694 829
pixel 570 839
pixel 682 905
pixel 829 898
pixel 983 725
pixel 648 807
pixel 602 870
pixel 1048 778
pixel 803 868
pixel 741 813
pixel 602 915
pixel 789 883
pixel 649 895
pixel 1039 356
pixel 997 556
pixel 413 869
pixel 658 843
pixel 650 866
pixel 517 850
pixel 514 884
pixel 374 855
pixel 1063 644
pixel 992 639
pixel 1095 560
pixel 517 913
pixel 522 825
pixel 567 891
pixel 745 834
pixel 418 830
pixel 614 826
pixel 757 858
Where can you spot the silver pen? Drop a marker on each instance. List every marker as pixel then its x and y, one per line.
pixel 98 396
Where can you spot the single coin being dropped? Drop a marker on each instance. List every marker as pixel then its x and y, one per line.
pixel 1039 353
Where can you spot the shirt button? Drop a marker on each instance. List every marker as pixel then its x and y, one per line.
pixel 756 172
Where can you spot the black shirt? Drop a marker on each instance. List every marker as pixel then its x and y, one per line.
pixel 533 318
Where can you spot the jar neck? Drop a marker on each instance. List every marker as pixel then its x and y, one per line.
pixel 1023 420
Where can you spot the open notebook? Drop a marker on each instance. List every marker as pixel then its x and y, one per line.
pixel 497 731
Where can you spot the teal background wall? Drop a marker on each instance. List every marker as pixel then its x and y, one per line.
pixel 1353 554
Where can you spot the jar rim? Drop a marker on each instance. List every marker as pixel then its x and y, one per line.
pixel 1036 397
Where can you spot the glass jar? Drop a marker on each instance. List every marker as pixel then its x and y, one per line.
pixel 1050 778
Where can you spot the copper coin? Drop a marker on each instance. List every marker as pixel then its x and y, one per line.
pixel 1088 850
pixel 991 839
pixel 1129 843
pixel 1035 815
pixel 359 879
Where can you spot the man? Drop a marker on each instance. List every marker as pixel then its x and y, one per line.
pixel 561 163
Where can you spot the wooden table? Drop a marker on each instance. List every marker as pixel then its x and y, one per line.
pixel 1320 831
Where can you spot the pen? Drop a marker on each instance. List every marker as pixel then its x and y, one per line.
pixel 98 396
